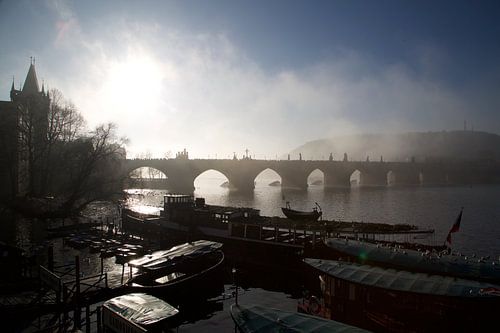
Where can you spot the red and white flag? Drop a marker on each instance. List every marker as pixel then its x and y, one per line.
pixel 455 227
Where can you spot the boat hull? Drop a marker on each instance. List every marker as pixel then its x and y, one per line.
pixel 192 284
pixel 301 216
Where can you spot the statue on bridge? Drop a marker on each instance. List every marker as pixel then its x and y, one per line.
pixel 345 157
pixel 331 157
pixel 182 155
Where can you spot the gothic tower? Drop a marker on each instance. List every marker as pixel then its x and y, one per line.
pixel 25 125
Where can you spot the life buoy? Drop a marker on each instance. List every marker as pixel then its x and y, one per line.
pixel 314 306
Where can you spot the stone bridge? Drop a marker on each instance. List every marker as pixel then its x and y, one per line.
pixel 241 174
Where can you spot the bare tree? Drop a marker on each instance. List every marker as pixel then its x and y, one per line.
pixel 56 157
pixel 45 125
pixel 64 125
pixel 95 161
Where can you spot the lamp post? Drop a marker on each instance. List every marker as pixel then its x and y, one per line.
pixel 235 284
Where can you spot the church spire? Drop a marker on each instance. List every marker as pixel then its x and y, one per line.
pixel 13 91
pixel 31 82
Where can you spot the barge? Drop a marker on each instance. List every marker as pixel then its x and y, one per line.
pixel 248 237
pixel 390 300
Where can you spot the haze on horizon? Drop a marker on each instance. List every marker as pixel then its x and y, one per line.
pixel 222 76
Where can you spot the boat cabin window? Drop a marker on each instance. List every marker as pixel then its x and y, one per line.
pixel 178 199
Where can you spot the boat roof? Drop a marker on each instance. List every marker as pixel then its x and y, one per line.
pixel 256 319
pixel 141 309
pixel 405 281
pixel 436 263
pixel 175 254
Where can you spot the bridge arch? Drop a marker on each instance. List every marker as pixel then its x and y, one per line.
pixel 268 177
pixel 211 179
pixel 316 178
pixel 147 172
pixel 146 178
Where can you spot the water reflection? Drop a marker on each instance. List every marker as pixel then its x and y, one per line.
pixel 427 207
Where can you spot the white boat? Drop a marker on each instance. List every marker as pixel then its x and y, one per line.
pixel 137 312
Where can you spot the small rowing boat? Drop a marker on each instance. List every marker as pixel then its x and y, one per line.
pixel 297 215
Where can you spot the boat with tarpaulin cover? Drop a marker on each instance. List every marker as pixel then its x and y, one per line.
pixel 137 312
pixel 257 319
pixel 185 269
pixel 389 300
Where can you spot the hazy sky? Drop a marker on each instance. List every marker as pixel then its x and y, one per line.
pixel 217 77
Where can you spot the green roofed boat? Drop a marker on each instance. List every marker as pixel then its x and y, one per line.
pixel 482 269
pixel 390 300
pixel 258 319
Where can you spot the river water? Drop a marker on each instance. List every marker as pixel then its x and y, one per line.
pixel 434 207
pixel 426 207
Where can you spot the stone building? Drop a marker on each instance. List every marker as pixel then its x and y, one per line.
pixel 23 135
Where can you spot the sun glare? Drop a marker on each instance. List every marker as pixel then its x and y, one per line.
pixel 133 84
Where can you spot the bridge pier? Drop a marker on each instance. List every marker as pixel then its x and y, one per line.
pixel 433 177
pixel 180 185
pixel 245 184
pixel 403 178
pixel 373 178
pixel 294 175
pixel 337 179
pixel 294 183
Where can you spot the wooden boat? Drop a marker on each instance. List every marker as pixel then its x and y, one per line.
pixel 442 263
pixel 390 300
pixel 297 215
pixel 137 312
pixel 185 270
pixel 256 319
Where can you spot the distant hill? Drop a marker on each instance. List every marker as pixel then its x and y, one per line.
pixel 401 147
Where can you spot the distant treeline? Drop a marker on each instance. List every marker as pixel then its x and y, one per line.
pixel 434 146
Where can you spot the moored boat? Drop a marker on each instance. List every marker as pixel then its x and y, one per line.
pixel 297 215
pixel 256 319
pixel 183 270
pixel 419 261
pixel 390 300
pixel 137 312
